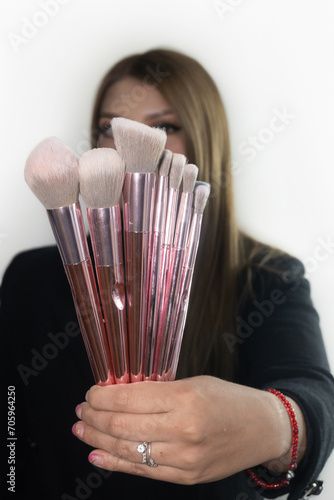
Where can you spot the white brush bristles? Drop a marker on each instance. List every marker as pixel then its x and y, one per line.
pixel 165 162
pixel 101 175
pixel 202 191
pixel 176 170
pixel 51 172
pixel 190 173
pixel 140 146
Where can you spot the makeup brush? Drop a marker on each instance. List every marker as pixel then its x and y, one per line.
pixel 180 307
pixel 159 222
pixel 101 175
pixel 175 177
pixel 51 171
pixel 176 260
pixel 141 148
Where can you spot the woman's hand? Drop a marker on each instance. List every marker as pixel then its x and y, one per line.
pixel 201 429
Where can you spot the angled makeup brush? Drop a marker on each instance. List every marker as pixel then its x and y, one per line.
pixel 158 229
pixel 141 148
pixel 101 175
pixel 180 307
pixel 175 261
pixel 51 172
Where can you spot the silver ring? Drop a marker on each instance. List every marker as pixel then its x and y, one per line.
pixel 149 461
pixel 141 448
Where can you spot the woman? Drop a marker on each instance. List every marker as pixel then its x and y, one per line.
pixel 251 326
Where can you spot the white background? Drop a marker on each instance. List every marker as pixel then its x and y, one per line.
pixel 267 58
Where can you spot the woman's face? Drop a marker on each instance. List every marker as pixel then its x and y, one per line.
pixel 133 99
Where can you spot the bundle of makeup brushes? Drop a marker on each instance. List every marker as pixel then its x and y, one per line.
pixel 144 229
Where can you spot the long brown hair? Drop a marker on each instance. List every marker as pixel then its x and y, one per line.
pixel 223 250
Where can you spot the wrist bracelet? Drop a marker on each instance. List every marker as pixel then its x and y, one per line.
pixel 287 476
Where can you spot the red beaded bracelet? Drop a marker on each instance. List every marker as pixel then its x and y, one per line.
pixel 285 481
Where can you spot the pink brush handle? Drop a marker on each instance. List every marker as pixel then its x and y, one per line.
pixel 161 297
pixel 178 327
pixel 151 296
pixel 69 232
pixel 106 233
pixel 135 290
pixel 158 234
pixel 173 279
pixel 160 309
pixel 113 300
pixel 138 193
pixel 176 263
pixel 182 298
pixel 84 292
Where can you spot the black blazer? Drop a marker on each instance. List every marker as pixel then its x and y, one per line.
pixel 43 357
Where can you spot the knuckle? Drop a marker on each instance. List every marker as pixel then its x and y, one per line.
pixel 93 396
pixel 121 398
pixel 84 411
pixel 187 394
pixel 114 425
pixel 88 435
pixel 114 464
pixel 147 426
pixel 191 478
pixel 121 450
pixel 191 458
pixel 138 470
pixel 192 431
pixel 196 477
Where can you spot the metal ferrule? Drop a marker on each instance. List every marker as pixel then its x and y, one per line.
pixel 69 231
pixel 138 196
pixel 173 198
pixel 193 240
pixel 183 221
pixel 106 233
pixel 160 204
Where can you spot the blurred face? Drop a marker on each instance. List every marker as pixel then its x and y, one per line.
pixel 131 98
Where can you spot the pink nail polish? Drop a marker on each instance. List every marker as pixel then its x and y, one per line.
pixel 77 429
pixel 95 459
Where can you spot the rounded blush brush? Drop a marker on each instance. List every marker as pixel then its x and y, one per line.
pixel 101 175
pixel 51 171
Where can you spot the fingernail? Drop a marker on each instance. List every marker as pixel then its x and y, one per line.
pixel 95 459
pixel 77 429
pixel 78 410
